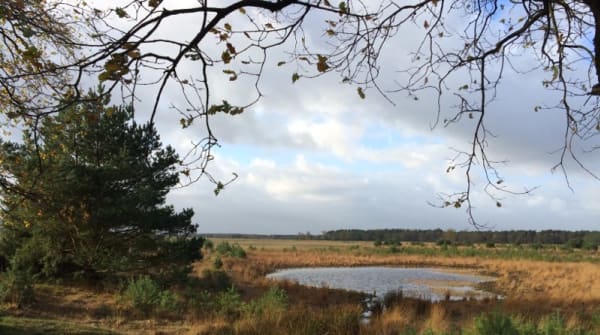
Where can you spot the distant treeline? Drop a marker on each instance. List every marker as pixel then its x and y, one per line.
pixel 575 238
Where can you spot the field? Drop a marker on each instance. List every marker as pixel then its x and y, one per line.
pixel 549 290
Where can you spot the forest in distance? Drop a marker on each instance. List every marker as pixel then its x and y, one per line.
pixel 576 239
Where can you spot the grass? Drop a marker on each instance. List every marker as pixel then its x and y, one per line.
pixel 29 326
pixel 548 291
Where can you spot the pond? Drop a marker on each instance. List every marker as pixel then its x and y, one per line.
pixel 423 283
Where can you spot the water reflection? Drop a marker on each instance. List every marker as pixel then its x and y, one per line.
pixel 424 283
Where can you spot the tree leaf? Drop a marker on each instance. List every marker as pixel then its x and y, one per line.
pixel 295 77
pixel 121 12
pixel 360 92
pixel 343 8
pixel 281 63
pixel 554 73
pixel 322 65
pixel 154 3
pixel 226 57
pixel 227 26
pixel 231 49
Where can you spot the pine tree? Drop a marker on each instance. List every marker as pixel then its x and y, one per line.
pixel 91 197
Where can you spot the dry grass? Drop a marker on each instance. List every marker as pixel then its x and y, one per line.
pixel 532 289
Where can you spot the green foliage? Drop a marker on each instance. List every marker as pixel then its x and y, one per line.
pixel 273 301
pixel 591 241
pixel 16 286
pixel 232 250
pixel 96 184
pixel 143 294
pixel 209 245
pixel 495 323
pixel 575 243
pixel 229 303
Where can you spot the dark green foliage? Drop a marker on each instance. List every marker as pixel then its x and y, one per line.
pixel 575 243
pixel 89 196
pixel 16 284
pixel 461 237
pixel 591 241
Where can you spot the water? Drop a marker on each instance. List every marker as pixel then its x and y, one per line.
pixel 424 283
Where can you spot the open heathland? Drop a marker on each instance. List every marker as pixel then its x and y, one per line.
pixel 548 290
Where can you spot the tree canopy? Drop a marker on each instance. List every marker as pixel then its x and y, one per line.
pixel 95 184
pixel 50 48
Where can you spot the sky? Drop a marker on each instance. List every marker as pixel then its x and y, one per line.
pixel 313 156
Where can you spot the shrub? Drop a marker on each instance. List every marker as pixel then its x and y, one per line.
pixel 16 284
pixel 495 323
pixel 229 303
pixel 168 302
pixel 443 242
pixel 201 301
pixel 209 245
pixel 17 287
pixel 231 250
pixel 575 243
pixel 274 300
pixel 143 294
pixel 554 325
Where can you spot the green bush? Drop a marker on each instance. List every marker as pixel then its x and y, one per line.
pixel 496 324
pixel 229 303
pixel 168 302
pixel 17 287
pixel 143 294
pixel 209 245
pixel 16 284
pixel 554 325
pixel 231 250
pixel 274 300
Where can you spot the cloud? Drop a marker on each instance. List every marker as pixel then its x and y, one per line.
pixel 314 156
